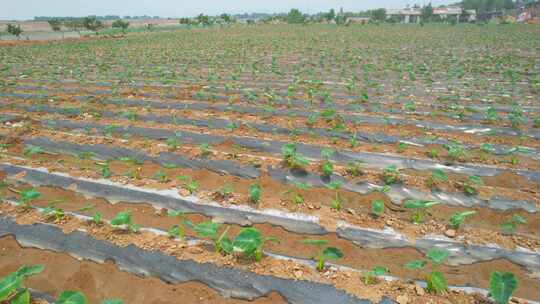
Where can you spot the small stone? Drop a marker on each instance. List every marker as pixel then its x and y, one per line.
pixel 402 299
pixel 419 290
pixel 351 211
pixel 389 222
pixel 310 207
pixel 298 274
pixel 451 233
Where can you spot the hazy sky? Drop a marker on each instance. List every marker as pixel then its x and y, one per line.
pixel 27 9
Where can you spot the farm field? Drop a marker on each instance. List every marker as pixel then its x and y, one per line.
pixel 275 164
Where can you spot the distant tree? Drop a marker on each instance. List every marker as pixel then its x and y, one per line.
pixel 121 24
pixel 203 19
pixel 184 21
pixel 295 16
pixel 378 14
pixel 55 24
pixel 331 15
pixel 74 25
pixel 226 18
pixel 427 13
pixel 14 30
pixel 92 24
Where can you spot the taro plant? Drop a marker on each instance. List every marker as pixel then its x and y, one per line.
pixel 178 230
pixel 248 243
pixel 71 297
pixel 205 150
pixel 337 201
pixel 457 218
pixel 255 192
pixel 161 176
pixel 420 209
pixel 354 169
pixel 173 143
pixel 436 282
pixel 501 286
pixel 370 277
pixel 326 166
pixel 224 192
pixel 30 150
pixel 26 196
pixel 292 158
pixel 437 176
pixel 192 187
pixel 53 213
pixel 323 253
pixel 390 175
pixel 124 221
pixel 455 151
pixel 509 227
pixel 470 186
pixel 210 231
pixel 11 288
pixel 377 208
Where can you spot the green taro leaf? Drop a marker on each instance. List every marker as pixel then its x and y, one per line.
pixel 377 207
pixel 207 229
pixel 247 241
pixel 458 218
pixel 72 297
pixel 31 270
pixel 501 286
pixel 122 218
pixel 9 284
pixel 30 194
pixel 436 283
pixel 332 253
pixel 518 219
pixel 419 204
pixel 437 255
pixel 380 270
pixel 439 175
pixel 23 297
pixel 417 264
pixel 113 301
pixel 227 245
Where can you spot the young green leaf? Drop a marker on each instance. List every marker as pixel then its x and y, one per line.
pixel 417 264
pixel 255 193
pixel 247 241
pixel 436 283
pixel 31 270
pixel 113 301
pixel 72 297
pixel 332 253
pixel 207 229
pixel 458 218
pixel 9 284
pixel 437 255
pixel 377 207
pixel 315 242
pixel 501 286
pixel 22 297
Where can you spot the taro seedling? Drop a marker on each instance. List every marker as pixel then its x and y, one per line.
pixel 161 176
pixel 52 212
pixel 390 175
pixel 509 227
pixel 71 297
pixel 420 209
pixel 27 196
pixel 469 187
pixel 205 150
pixel 323 253
pixel 436 282
pixel 124 220
pixel 292 158
pixel 224 192
pixel 173 143
pixel 457 218
pixel 113 301
pixel 354 169
pixel 437 176
pixel 11 286
pixel 370 277
pixel 248 243
pixel 326 166
pixel 455 151
pixel 255 193
pixel 501 286
pixel 30 150
pixel 192 187
pixel 210 231
pixel 377 208
pixel 337 201
pixel 177 231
